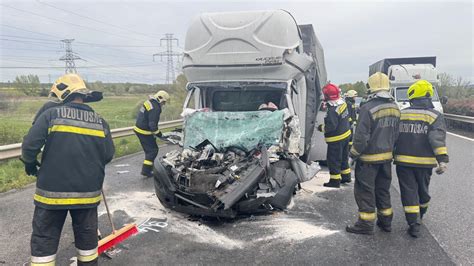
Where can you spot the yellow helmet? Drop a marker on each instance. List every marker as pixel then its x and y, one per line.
pixel 351 94
pixel 378 82
pixel 162 96
pixel 70 84
pixel 419 89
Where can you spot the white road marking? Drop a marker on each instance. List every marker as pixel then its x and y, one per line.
pixel 122 165
pixel 122 172
pixel 150 225
pixel 463 137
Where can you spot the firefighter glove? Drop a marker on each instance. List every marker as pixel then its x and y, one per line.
pixel 159 134
pixel 31 168
pixel 321 128
pixel 442 167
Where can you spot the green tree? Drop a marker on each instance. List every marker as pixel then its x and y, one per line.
pixel 358 86
pixel 28 84
pixel 456 88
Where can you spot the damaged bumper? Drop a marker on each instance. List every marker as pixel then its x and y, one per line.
pixel 232 182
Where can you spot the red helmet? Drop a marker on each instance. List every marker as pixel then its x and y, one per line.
pixel 331 92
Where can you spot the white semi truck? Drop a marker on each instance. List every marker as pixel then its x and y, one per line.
pixel 254 92
pixel 403 72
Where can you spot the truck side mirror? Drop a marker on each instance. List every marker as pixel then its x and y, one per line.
pixel 444 100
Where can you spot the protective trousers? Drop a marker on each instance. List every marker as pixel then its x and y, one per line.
pixel 150 148
pixel 372 190
pixel 47 227
pixel 414 190
pixel 338 160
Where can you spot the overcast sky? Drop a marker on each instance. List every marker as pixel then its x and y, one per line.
pixel 118 38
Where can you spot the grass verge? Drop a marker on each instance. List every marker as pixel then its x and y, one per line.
pixel 12 175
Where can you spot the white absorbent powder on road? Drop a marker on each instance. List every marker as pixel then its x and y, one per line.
pixel 275 228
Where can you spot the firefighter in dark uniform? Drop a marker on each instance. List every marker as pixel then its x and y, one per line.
pixel 146 128
pixel 420 147
pixel 374 138
pixel 337 131
pixel 77 146
pixel 349 97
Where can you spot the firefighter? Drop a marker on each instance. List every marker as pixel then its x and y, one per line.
pixel 420 147
pixel 349 97
pixel 146 128
pixel 77 146
pixel 374 138
pixel 337 131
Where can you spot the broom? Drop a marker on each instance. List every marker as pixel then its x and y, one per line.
pixel 117 236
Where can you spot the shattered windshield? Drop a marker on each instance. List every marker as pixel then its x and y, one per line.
pixel 245 130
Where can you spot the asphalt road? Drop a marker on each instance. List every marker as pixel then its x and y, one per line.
pixel 311 231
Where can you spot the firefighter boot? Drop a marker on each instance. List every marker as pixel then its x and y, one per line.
pixel 335 183
pixel 147 170
pixel 345 178
pixel 414 230
pixel 384 219
pixel 361 227
pixel 385 223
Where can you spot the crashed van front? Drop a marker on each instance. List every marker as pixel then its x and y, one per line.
pixel 233 163
pixel 253 96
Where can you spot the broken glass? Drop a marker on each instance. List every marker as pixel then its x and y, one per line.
pixel 245 130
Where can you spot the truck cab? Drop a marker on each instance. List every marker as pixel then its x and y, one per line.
pixel 238 61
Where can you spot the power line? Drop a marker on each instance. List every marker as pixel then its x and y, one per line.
pixel 117 69
pixel 169 54
pixel 29 38
pixel 39 40
pixel 26 42
pixel 66 22
pixel 96 20
pixel 35 32
pixel 27 49
pixel 29 57
pixel 77 67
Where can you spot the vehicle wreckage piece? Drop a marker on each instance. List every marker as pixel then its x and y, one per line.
pixel 233 183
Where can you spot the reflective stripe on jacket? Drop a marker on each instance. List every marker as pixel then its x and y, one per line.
pixel 77 146
pixel 148 118
pixel 422 138
pixel 336 123
pixel 376 131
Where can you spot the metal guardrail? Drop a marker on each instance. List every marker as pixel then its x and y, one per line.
pixel 14 150
pixel 460 118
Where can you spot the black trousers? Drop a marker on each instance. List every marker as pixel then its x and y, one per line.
pixel 338 159
pixel 414 190
pixel 150 147
pixel 372 190
pixel 47 227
